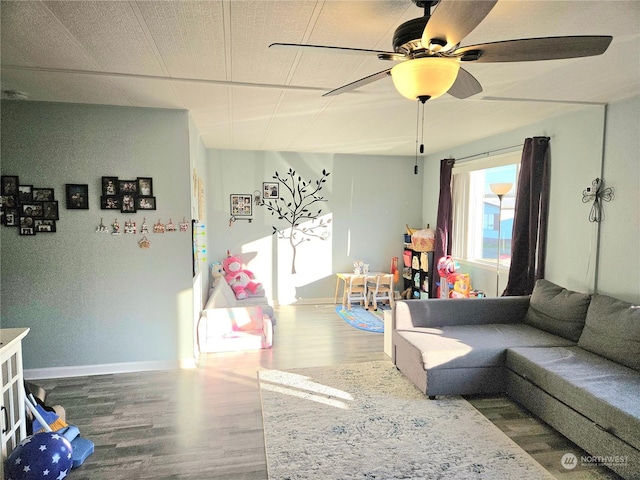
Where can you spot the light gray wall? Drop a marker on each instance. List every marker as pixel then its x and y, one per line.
pixel 577 142
pixel 90 298
pixel 619 262
pixel 370 199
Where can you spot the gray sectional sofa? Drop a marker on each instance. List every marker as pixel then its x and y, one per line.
pixel 572 359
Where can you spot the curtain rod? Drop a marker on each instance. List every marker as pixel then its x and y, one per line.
pixel 489 152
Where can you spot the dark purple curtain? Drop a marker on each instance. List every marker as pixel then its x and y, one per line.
pixel 529 235
pixel 444 221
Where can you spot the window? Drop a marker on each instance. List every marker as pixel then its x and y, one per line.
pixel 478 221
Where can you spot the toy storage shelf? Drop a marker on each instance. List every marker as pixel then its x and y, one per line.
pixel 13 427
pixel 416 275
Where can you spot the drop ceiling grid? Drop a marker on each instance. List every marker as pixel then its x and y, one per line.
pixel 110 33
pixel 254 26
pixel 189 36
pixel 33 36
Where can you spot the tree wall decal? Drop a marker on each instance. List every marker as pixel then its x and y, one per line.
pixel 296 205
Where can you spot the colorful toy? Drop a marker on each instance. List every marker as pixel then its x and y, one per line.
pixel 239 279
pixel 43 455
pixel 217 272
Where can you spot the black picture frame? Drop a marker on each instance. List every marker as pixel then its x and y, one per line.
pixel 145 203
pixel 270 190
pixel 43 194
pixel 44 226
pixel 8 201
pixel 27 226
pixel 9 185
pixel 77 196
pixel 128 187
pixel 25 193
pixel 33 209
pixel 10 217
pixel 50 210
pixel 128 203
pixel 145 187
pixel 109 202
pixel 110 186
pixel 241 204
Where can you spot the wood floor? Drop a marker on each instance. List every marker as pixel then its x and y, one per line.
pixel 207 423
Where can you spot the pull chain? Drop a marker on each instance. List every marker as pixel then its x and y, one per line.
pixel 415 168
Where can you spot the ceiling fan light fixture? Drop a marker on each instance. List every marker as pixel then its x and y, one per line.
pixel 425 77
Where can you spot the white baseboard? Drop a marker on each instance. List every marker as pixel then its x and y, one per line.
pixel 104 369
pixel 309 301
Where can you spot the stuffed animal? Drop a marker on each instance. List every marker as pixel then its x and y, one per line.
pixel 217 272
pixel 239 279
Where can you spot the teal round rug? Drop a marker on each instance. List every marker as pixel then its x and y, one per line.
pixel 358 317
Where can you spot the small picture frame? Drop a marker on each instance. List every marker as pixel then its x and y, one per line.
pixel 145 187
pixel 44 226
pixel 145 203
pixel 128 203
pixel 9 185
pixel 270 190
pixel 50 210
pixel 43 194
pixel 25 193
pixel 241 204
pixel 77 196
pixel 128 186
pixel 33 209
pixel 8 201
pixel 27 226
pixel 10 218
pixel 108 202
pixel 110 186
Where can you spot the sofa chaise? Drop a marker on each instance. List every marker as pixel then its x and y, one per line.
pixel 570 358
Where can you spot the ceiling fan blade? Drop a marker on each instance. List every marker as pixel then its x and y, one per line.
pixel 532 49
pixel 358 83
pixel 327 48
pixel 452 20
pixel 465 85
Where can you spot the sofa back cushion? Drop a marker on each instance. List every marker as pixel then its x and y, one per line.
pixel 221 296
pixel 557 310
pixel 612 330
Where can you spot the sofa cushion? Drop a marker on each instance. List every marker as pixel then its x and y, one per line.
pixel 601 390
pixel 474 346
pixel 612 330
pixel 221 296
pixel 557 310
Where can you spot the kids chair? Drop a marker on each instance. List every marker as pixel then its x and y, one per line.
pixel 379 288
pixel 355 290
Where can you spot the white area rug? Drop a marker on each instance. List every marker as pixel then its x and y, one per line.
pixel 366 421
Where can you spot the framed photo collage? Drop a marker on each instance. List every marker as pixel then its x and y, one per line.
pixel 128 196
pixel 29 209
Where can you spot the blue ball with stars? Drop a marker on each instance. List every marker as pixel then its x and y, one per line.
pixel 45 455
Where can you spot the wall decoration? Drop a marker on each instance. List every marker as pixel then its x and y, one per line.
pixel 128 203
pixel 145 203
pixel 27 226
pixel 241 204
pixel 184 225
pixel 9 185
pixel 158 227
pixel 31 209
pixel 115 227
pixel 127 186
pixel 102 227
pixel 43 194
pixel 110 202
pixel 296 209
pixel 144 243
pixel 144 229
pixel 77 196
pixel 145 187
pixel 270 190
pixel 130 227
pixel 170 227
pixel 597 194
pixel 25 193
pixel 110 186
pixel 44 226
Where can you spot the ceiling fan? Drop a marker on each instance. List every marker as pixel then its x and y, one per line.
pixel 430 57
